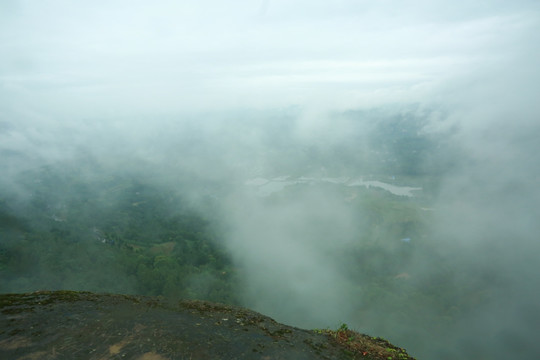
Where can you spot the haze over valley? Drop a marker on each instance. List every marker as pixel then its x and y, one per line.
pixel 373 164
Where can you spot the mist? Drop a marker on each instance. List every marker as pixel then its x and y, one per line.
pixel 290 127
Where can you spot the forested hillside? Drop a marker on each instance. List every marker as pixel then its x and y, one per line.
pixel 112 233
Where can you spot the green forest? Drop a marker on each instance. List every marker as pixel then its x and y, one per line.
pixel 116 235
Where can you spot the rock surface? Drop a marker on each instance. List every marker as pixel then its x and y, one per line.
pixel 82 325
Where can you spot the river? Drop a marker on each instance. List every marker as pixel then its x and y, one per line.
pixel 265 187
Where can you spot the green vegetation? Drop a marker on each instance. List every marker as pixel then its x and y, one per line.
pixel 117 235
pixel 365 346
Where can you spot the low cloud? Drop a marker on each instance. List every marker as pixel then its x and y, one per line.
pixel 229 93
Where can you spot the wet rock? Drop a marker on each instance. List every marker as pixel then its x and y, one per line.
pixel 83 325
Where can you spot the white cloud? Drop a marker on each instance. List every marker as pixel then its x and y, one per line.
pixel 137 56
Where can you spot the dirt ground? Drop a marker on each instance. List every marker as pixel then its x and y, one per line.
pixel 82 325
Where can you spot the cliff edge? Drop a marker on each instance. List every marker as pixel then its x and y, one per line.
pixel 83 325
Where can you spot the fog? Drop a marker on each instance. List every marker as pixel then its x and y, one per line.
pixel 207 98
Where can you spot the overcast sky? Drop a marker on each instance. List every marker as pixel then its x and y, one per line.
pixel 61 57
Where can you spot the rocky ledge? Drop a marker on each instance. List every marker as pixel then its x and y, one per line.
pixel 83 325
